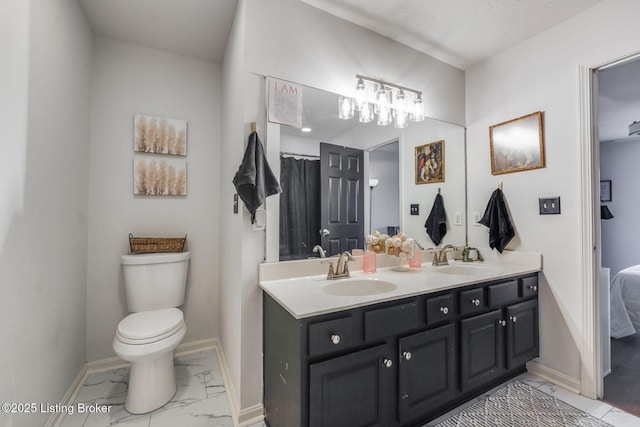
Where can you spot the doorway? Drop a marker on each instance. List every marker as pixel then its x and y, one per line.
pixel 384 188
pixel 617 112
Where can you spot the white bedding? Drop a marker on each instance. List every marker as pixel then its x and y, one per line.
pixel 625 302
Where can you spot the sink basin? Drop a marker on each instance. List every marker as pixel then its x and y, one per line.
pixel 468 270
pixel 358 287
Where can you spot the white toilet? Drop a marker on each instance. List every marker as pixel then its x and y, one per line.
pixel 155 285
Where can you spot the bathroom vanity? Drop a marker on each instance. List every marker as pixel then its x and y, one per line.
pixel 385 360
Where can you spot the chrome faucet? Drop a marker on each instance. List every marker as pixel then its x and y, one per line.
pixel 318 249
pixel 440 257
pixel 341 269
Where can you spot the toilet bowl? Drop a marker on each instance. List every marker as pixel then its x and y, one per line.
pixel 147 340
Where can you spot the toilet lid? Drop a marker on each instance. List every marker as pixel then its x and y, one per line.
pixel 146 325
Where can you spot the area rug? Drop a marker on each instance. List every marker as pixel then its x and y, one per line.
pixel 520 405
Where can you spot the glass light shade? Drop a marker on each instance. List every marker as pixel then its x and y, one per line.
pixel 345 108
pixel 401 119
pixel 417 115
pixel 383 97
pixel 361 94
pixel 366 112
pixel 384 115
pixel 401 101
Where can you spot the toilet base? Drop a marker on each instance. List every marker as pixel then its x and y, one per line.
pixel 152 383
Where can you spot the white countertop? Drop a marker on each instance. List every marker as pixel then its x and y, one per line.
pixel 303 296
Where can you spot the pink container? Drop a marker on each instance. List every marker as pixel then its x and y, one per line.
pixel 416 259
pixel 369 262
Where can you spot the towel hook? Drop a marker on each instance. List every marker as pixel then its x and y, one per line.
pixel 500 185
pixel 254 126
pixel 438 190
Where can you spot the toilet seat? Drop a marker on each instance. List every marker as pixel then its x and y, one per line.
pixel 149 326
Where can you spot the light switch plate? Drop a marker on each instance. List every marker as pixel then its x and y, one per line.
pixel 549 205
pixel 415 209
pixel 457 218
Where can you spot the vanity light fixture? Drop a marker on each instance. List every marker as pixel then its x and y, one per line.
pixel 386 102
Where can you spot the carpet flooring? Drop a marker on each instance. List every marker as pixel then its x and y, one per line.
pixel 622 385
pixel 519 404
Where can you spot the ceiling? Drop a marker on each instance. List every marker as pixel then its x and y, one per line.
pixel 461 33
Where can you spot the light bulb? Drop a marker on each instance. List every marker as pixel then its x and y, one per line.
pixel 417 115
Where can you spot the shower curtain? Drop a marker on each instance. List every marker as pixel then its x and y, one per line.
pixel 299 207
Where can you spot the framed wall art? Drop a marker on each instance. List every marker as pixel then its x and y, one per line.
pixel 159 135
pixel 517 145
pixel 429 161
pixel 605 190
pixel 159 176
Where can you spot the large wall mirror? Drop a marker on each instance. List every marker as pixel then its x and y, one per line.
pixel 343 179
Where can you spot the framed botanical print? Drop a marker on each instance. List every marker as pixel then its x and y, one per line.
pixel 429 163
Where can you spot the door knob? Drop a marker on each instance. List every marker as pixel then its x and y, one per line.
pixel 324 232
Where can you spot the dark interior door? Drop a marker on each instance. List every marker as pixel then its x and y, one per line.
pixel 342 198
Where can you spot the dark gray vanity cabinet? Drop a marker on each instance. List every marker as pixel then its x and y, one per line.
pixel 397 363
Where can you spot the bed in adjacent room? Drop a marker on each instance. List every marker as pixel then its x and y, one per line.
pixel 625 302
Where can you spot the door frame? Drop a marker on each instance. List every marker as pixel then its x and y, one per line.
pixel 592 380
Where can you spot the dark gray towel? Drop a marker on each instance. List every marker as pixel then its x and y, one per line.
pixel 436 224
pixel 254 180
pixel 496 217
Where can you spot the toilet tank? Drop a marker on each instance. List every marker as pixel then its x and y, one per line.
pixel 154 281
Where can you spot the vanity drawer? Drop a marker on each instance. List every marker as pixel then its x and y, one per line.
pixel 440 309
pixel 390 321
pixel 503 294
pixel 472 301
pixel 330 335
pixel 529 286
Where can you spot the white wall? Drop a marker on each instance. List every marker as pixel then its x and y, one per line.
pixel 620 235
pixel 542 74
pixel 44 115
pixel 129 79
pixel 294 41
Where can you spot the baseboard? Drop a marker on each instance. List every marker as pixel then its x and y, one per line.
pixel 111 363
pixel 70 396
pixel 554 376
pixel 241 417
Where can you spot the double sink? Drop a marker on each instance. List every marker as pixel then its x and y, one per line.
pixel 376 286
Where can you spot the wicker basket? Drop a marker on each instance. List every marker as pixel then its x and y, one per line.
pixel 147 245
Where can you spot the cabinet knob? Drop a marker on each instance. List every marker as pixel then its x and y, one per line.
pixel 444 310
pixel 407 355
pixel 335 338
pixel 387 362
pixel 534 288
pixel 502 323
pixel 513 319
pixel 475 302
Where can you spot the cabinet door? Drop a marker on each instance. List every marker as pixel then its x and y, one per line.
pixel 352 390
pixel 522 333
pixel 427 372
pixel 482 349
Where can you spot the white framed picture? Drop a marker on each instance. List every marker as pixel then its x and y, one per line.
pixel 159 176
pixel 159 135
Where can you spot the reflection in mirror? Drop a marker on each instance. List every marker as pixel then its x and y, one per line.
pixel 342 179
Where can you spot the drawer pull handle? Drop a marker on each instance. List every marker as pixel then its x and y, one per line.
pixel 406 355
pixel 502 323
pixel 513 319
pixel 534 288
pixel 387 362
pixel 335 338
pixel 475 302
pixel 444 310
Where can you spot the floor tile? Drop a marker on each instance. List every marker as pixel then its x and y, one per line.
pixel 211 412
pixel 617 418
pixel 596 408
pixel 104 384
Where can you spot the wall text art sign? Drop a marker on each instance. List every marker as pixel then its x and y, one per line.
pixel 285 102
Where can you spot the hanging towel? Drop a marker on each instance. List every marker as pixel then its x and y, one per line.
pixel 436 224
pixel 254 180
pixel 496 217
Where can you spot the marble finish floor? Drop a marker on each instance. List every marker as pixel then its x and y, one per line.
pixel 201 399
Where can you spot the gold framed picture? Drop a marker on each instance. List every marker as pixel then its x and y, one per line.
pixel 517 145
pixel 429 163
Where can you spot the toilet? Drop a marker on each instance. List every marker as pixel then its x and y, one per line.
pixel 155 286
